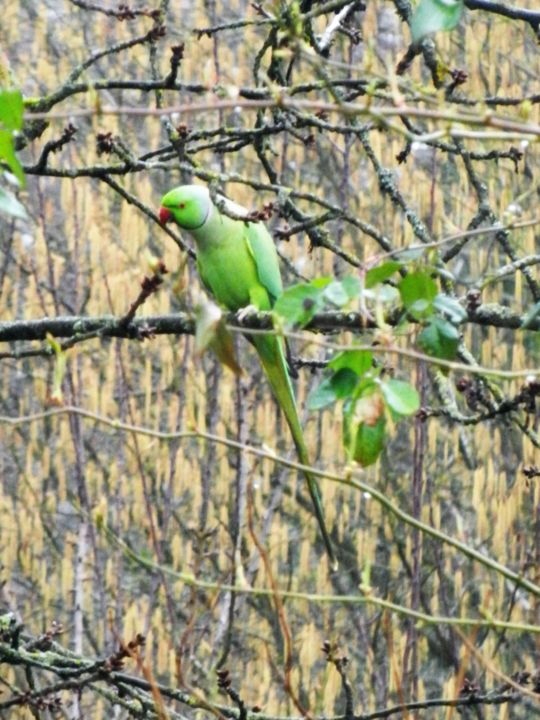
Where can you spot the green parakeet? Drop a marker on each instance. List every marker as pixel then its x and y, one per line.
pixel 238 264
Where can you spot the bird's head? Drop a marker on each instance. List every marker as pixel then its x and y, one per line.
pixel 188 206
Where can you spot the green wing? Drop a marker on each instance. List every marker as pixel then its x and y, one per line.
pixel 200 269
pixel 262 249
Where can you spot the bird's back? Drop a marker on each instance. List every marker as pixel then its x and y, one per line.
pixel 228 264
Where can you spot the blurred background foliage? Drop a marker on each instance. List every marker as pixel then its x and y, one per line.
pixel 71 487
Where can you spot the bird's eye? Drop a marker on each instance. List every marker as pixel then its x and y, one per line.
pixel 181 206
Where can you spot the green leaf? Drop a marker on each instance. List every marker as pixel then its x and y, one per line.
pixel 364 426
pixel 338 386
pixel 418 290
pixel 359 361
pixel 7 155
pixel 335 293
pixel 433 15
pixel 401 397
pixel 319 283
pixel 340 292
pixel 351 285
pixel 454 311
pixel 381 273
pixel 343 382
pixel 9 205
pixel 367 442
pixel 383 294
pixel 322 396
pixel 440 339
pixel 299 303
pixel 348 366
pixel 11 109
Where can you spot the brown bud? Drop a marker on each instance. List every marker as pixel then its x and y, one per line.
pixel 463 384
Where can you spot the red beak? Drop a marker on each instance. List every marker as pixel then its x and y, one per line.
pixel 164 215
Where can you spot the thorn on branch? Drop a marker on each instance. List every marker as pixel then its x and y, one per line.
pixel 223 679
pixel 475 394
pixel 283 232
pixel 53 146
pixel 474 299
pixel 521 677
pixel 531 471
pixel 354 34
pixel 463 384
pixel 69 132
pixel 469 689
pixel 107 143
pixel 322 115
pixel 43 642
pixel 177 55
pixel 115 662
pixel 156 32
pixel 406 61
pixel 340 661
pixel 459 77
pixel 104 143
pixel 41 704
pixel 182 130
pixel 422 414
pixel 124 12
pixel 527 395
pixel 225 683
pixel 402 156
pixel 515 155
pixel 268 209
pixel 149 285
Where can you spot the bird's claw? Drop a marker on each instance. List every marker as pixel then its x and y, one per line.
pixel 246 312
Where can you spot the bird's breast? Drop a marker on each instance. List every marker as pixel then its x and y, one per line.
pixel 227 268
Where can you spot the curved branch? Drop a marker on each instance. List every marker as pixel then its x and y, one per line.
pixel 532 17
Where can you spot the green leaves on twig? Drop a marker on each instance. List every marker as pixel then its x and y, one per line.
pixel 298 304
pixel 439 314
pixel 372 398
pixel 369 399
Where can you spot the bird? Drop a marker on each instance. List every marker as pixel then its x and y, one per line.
pixel 238 264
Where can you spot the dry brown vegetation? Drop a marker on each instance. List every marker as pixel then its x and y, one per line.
pixel 210 553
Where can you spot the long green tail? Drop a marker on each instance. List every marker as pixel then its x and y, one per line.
pixel 270 349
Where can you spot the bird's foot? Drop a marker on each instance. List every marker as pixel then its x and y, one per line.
pixel 247 312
